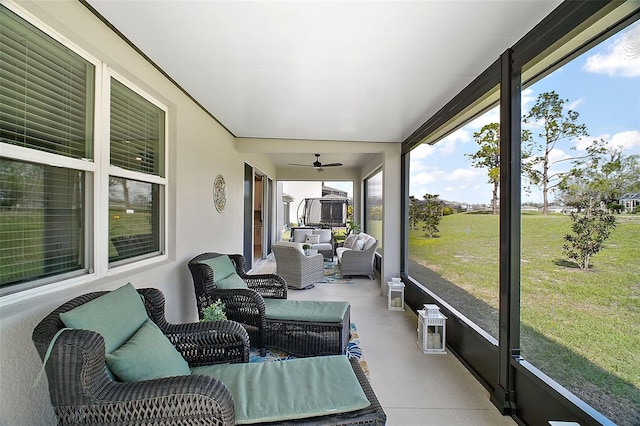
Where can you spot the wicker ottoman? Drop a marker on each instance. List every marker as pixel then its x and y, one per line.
pixel 304 337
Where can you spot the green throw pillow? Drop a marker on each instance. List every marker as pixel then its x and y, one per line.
pixel 116 316
pixel 222 267
pixel 231 282
pixel 147 355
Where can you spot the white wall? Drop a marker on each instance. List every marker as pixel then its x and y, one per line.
pixel 199 149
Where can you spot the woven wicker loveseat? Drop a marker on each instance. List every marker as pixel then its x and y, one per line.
pixel 86 389
pixel 260 304
pixel 355 257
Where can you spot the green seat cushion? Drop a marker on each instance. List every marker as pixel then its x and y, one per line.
pixel 147 355
pixel 305 310
pixel 294 389
pixel 222 266
pixel 116 316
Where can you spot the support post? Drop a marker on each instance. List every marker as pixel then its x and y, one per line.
pixel 510 230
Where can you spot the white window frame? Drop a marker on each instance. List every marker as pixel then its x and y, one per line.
pixel 97 202
pixel 108 170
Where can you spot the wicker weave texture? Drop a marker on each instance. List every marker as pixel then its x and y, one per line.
pixel 358 262
pixel 247 307
pixel 298 270
pixel 81 392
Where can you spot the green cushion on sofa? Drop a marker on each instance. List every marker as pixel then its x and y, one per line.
pixel 222 266
pixel 116 316
pixel 294 389
pixel 147 355
pixel 305 310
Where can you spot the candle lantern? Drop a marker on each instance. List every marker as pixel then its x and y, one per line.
pixel 395 295
pixel 432 330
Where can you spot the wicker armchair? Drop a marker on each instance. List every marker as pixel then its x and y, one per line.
pixel 247 306
pixel 81 392
pixel 299 271
pixel 357 262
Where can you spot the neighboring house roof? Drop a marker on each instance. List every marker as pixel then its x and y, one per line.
pixel 630 196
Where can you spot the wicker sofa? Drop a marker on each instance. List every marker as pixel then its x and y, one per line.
pixel 306 235
pixel 269 317
pixel 85 389
pixel 297 269
pixel 355 257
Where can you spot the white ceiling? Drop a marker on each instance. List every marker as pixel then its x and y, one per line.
pixel 323 70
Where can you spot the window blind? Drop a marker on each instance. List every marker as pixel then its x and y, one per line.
pixel 46 91
pixel 137 131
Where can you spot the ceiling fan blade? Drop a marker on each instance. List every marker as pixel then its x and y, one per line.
pixel 317 164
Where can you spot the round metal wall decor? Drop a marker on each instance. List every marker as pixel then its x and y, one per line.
pixel 219 193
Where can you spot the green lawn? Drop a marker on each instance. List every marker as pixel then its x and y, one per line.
pixel 582 328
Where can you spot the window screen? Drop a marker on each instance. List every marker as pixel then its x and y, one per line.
pixel 42 227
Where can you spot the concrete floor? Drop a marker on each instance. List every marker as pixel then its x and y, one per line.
pixel 413 388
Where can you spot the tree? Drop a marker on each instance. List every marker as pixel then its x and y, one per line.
pixel 414 212
pixel 430 214
pixel 605 177
pixel 488 156
pixel 590 229
pixel 557 124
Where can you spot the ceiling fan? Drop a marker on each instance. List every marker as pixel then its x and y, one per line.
pixel 317 164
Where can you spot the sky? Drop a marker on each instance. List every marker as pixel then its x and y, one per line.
pixel 602 85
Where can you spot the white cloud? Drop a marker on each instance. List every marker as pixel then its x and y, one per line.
pixel 628 140
pixel 527 99
pixel 584 141
pixel 464 175
pixel 625 140
pixel 449 144
pixel 620 58
pixel 432 180
pixel 573 105
pixel 422 151
pixel 556 155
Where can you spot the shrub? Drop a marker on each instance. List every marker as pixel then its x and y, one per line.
pixel 214 312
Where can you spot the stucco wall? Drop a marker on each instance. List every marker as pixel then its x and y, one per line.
pixel 199 149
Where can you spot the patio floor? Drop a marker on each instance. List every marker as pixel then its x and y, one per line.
pixel 413 388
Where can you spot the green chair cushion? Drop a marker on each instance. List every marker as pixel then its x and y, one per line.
pixel 147 355
pixel 294 389
pixel 305 310
pixel 230 282
pixel 222 266
pixel 116 316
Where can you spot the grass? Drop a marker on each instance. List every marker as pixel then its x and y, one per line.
pixel 582 328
